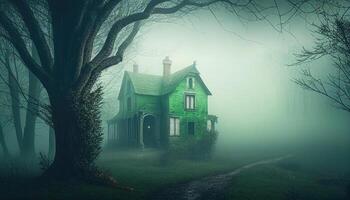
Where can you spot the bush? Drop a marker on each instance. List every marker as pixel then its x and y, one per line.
pixel 192 148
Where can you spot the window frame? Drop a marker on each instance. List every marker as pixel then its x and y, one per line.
pixel 193 82
pixel 188 104
pixel 176 127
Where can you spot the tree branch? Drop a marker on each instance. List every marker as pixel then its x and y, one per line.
pixel 36 33
pixel 19 44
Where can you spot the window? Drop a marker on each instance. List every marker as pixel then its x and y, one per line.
pixel 128 104
pixel 190 102
pixel 190 83
pixel 174 126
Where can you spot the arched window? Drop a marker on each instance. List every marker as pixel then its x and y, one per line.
pixel 190 82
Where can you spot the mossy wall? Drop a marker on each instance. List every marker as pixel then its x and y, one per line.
pixel 198 115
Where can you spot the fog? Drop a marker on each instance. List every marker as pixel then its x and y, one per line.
pixel 247 68
pixel 264 117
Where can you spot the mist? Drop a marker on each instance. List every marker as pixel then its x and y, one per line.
pixel 248 69
pixel 269 127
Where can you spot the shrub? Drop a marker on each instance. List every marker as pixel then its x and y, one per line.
pixel 195 148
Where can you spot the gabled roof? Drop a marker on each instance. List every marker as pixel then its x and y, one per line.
pixel 146 84
pixel 154 85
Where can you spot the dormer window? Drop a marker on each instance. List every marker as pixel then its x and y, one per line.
pixel 190 82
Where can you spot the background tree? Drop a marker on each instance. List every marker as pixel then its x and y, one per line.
pixel 333 41
pixel 24 90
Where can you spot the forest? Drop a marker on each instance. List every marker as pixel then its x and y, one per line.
pixel 271 78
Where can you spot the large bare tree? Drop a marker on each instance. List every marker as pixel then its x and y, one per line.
pixel 70 69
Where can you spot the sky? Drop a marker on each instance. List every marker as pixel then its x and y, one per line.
pixel 247 68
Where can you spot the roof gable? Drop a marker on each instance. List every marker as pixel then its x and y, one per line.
pixel 154 85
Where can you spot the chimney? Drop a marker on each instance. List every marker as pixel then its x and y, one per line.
pixel 135 68
pixel 166 66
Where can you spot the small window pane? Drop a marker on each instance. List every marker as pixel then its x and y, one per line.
pixel 172 126
pixel 177 126
pixel 190 102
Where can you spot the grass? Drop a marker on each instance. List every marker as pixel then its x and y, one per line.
pixel 145 173
pixel 283 181
pixel 141 170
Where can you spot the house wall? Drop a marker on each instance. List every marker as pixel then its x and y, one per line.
pixel 128 124
pixel 147 103
pixel 127 92
pixel 177 107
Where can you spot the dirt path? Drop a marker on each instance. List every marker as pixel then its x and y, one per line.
pixel 208 188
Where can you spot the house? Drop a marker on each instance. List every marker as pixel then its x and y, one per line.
pixel 153 110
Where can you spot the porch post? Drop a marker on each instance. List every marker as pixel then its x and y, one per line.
pixel 157 130
pixel 212 126
pixel 141 131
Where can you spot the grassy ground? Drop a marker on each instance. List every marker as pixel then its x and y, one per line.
pixel 145 172
pixel 298 178
pixel 288 180
pixel 141 170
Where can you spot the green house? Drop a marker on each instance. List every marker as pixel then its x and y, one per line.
pixel 154 110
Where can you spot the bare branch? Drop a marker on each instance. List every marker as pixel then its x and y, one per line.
pixel 36 33
pixel 19 44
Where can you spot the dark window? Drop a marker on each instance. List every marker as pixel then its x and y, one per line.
pixel 191 128
pixel 190 83
pixel 129 104
pixel 190 102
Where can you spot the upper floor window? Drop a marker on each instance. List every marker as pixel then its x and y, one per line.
pixel 128 104
pixel 190 82
pixel 174 129
pixel 190 101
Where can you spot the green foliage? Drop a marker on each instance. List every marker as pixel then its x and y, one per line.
pixel 90 135
pixel 276 182
pixel 194 148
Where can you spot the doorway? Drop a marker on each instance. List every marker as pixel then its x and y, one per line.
pixel 149 129
pixel 191 128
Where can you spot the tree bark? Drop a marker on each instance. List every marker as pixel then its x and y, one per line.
pixel 78 134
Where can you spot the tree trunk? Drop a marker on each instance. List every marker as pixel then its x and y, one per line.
pixel 52 144
pixel 78 134
pixel 15 104
pixel 3 143
pixel 31 116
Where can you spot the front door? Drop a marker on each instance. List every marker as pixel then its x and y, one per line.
pixel 191 128
pixel 149 137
